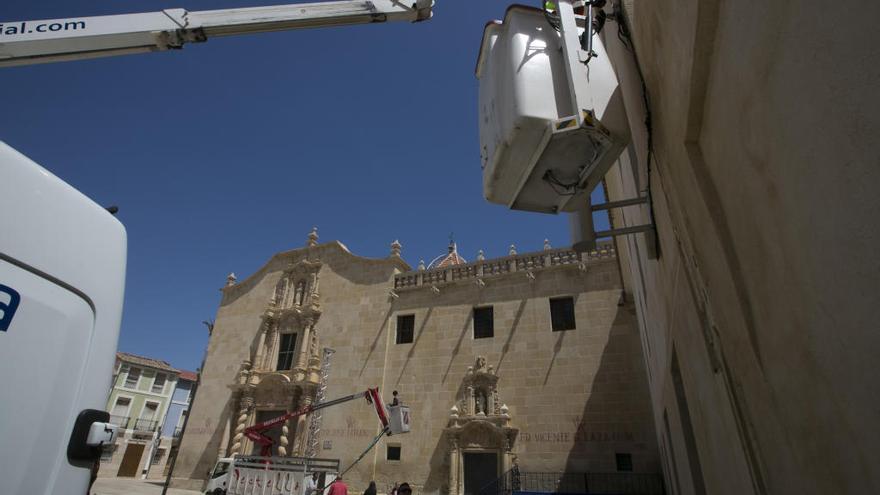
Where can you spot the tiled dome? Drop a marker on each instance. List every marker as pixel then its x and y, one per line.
pixel 449 259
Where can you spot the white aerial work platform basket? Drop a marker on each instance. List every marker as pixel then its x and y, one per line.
pixel 551 115
pixel 398 419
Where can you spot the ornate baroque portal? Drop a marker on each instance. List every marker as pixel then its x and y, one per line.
pixel 284 370
pixel 479 423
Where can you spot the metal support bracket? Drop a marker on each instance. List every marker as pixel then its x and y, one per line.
pixel 620 204
pixel 635 229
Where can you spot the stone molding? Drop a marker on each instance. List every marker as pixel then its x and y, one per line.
pixel 478 421
pixel 241 286
pixel 528 264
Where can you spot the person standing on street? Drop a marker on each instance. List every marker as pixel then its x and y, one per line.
pixel 312 484
pixel 338 487
pixel 371 490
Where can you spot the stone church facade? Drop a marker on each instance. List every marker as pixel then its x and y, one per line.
pixel 531 359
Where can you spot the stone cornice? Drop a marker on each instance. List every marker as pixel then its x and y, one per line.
pixel 309 254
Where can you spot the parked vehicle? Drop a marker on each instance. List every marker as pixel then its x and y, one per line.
pixel 62 278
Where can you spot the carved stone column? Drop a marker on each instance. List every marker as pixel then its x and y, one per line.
pixel 246 403
pixel 314 373
pixel 453 466
pixel 302 431
pixel 506 454
pixel 314 351
pixel 302 358
pixel 269 347
pixel 259 359
pixel 315 295
pixel 272 349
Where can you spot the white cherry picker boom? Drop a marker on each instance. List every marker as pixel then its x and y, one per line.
pixel 56 40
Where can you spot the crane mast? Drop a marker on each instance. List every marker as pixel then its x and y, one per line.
pixel 56 40
pixel 316 418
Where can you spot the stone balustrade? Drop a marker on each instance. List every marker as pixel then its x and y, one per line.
pixel 526 262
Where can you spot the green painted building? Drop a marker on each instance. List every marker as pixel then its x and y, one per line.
pixel 138 402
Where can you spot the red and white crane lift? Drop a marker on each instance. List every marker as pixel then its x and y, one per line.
pixel 393 422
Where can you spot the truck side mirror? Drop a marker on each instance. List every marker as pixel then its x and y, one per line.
pixel 84 446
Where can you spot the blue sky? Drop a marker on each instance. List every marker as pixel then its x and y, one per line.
pixel 226 152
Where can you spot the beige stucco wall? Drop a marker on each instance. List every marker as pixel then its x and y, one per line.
pixel 577 397
pixel 764 174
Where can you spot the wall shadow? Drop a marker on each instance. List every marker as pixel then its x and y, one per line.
pixel 439 468
pixel 506 347
pixel 412 348
pixel 617 416
pixel 385 323
pixel 457 348
pixel 439 463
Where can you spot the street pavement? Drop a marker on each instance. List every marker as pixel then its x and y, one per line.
pixel 129 486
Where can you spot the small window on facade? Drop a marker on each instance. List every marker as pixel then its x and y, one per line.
pixel 159 383
pixel 624 462
pixel 484 322
pixel 131 381
pixel 562 313
pixel 149 411
pixel 406 325
pixel 393 453
pixel 120 409
pixel 285 351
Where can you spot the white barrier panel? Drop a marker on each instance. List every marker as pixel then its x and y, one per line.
pixel 250 480
pixel 276 475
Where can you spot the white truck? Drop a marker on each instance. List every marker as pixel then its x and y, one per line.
pixel 63 257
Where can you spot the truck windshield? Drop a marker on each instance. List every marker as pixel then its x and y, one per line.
pixel 220 469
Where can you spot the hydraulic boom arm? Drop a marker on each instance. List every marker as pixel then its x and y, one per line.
pixel 33 42
pixel 255 432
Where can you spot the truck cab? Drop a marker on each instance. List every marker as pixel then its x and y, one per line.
pixel 218 477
